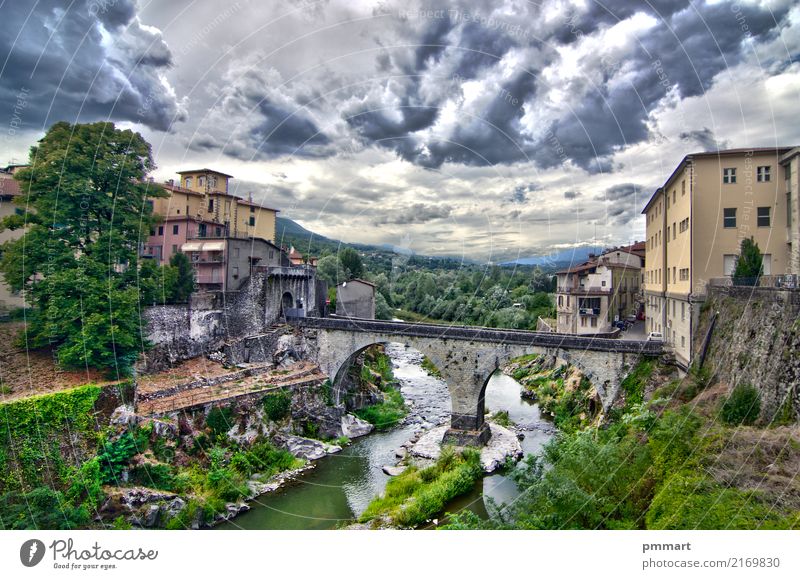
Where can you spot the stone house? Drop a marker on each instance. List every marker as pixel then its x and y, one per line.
pixel 356 299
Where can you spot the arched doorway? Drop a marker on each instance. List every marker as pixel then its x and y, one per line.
pixel 287 303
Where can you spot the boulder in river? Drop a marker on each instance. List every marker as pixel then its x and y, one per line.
pixel 353 426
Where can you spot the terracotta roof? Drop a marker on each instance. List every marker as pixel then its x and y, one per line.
pixel 177 189
pixel 579 268
pixel 252 203
pixel 9 187
pixel 359 280
pixel 205 170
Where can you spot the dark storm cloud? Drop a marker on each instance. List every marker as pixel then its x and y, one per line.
pixel 284 132
pixel 685 49
pixel 622 192
pixel 705 138
pixel 417 213
pixel 85 61
pixel 571 194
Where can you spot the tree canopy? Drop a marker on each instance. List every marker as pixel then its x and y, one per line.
pixel 749 263
pixel 85 196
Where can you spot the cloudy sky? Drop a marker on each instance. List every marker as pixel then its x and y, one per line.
pixel 484 129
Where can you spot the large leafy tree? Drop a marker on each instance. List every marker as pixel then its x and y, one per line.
pixel 749 263
pixel 351 262
pixel 85 196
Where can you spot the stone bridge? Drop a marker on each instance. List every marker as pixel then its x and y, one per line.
pixel 467 356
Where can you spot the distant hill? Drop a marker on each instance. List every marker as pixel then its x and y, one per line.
pixel 561 259
pixel 290 233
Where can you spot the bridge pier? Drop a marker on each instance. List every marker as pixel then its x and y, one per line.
pixel 467 431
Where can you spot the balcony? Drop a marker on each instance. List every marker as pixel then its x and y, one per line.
pixel 589 311
pixel 581 290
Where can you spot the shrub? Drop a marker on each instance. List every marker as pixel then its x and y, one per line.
pixel 114 457
pixel 386 414
pixel 220 420
pixel 41 508
pixel 742 406
pixel 157 476
pixel 277 405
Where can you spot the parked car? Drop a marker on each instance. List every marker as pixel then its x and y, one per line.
pixel 655 337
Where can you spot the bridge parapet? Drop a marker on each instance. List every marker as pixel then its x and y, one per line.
pixel 467 356
pixel 478 333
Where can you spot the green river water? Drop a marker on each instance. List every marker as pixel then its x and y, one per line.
pixel 342 484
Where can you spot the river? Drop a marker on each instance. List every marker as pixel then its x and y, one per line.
pixel 342 484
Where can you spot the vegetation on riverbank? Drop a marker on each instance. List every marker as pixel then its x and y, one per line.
pixel 61 469
pixel 417 494
pixel 376 369
pixel 658 463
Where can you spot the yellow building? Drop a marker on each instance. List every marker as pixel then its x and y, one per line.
pixel 203 195
pixel 695 224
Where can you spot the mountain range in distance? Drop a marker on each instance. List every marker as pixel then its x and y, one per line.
pixel 290 233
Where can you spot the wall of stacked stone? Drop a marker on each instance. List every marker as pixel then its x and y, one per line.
pixel 756 341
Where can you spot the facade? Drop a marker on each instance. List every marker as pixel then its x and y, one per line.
pixel 9 191
pixel 356 299
pixel 590 297
pixel 696 222
pixel 223 235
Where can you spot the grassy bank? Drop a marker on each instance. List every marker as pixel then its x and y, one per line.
pixel 417 495
pixel 657 462
pixel 376 370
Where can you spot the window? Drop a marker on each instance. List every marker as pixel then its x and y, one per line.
pixel 763 216
pixel 684 273
pixel 174 249
pixel 729 176
pixel 210 205
pixel 252 221
pixel 560 301
pixel 603 283
pixel 187 182
pixel 252 209
pixel 674 278
pixel 175 229
pixel 683 309
pixel 673 308
pixel 212 181
pixel 674 231
pixel 218 231
pixel 728 264
pixel 152 232
pixel 583 321
pixel 683 188
pixel 673 197
pixel 594 322
pixel 789 209
pixel 271 254
pixel 683 341
pixel 763 174
pixel 766 262
pixel 235 273
pixel 200 181
pixel 684 225
pixel 161 230
pixel 729 217
pixel 235 252
pixel 149 204
pixel 195 256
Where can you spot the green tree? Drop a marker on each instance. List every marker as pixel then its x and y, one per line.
pixel 329 269
pixel 184 278
pixel 157 284
pixel 351 262
pixel 86 191
pixel 382 309
pixel 749 265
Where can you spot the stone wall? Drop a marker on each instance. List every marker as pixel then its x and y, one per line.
pixel 755 340
pixel 242 319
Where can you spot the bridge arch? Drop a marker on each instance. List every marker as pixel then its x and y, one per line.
pixel 467 357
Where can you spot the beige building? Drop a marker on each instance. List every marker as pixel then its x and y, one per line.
pixel 9 191
pixel 203 195
pixel 591 296
pixel 695 224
